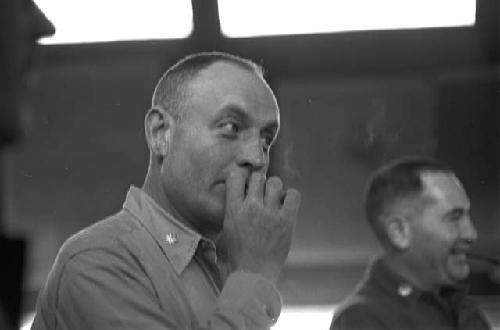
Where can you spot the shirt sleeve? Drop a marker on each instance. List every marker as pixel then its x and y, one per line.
pixel 105 289
pixel 247 301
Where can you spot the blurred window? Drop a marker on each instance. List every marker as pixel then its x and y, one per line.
pixel 84 21
pixel 305 317
pixel 246 18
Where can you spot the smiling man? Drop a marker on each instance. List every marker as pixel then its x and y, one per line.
pixel 201 245
pixel 419 211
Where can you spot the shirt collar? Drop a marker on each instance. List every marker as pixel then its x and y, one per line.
pixel 389 281
pixel 396 285
pixel 177 241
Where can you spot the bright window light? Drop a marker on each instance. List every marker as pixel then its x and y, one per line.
pixel 246 18
pixel 82 21
pixel 291 318
pixel 305 317
pixel 27 321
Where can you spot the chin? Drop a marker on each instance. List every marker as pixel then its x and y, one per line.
pixel 215 212
pixel 459 274
pixel 463 275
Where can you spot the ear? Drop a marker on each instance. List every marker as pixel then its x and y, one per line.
pixel 158 127
pixel 399 232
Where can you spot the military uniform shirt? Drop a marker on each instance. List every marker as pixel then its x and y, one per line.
pixel 142 269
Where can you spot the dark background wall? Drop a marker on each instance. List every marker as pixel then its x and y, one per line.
pixel 349 102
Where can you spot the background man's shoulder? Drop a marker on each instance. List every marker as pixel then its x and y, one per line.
pixel 358 312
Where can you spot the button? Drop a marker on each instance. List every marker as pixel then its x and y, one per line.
pixel 405 290
pixel 171 238
pixel 270 314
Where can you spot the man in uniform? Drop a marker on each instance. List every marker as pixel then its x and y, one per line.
pixel 419 211
pixel 201 245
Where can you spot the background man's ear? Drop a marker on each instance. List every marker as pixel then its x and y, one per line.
pixel 158 128
pixel 399 232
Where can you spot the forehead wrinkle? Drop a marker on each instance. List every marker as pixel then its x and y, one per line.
pixel 242 86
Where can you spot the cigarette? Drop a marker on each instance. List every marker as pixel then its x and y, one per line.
pixel 481 257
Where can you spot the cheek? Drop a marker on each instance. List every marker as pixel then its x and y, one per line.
pixel 208 163
pixel 431 244
pixel 202 157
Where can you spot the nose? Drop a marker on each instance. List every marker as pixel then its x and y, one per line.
pixel 41 26
pixel 253 156
pixel 468 231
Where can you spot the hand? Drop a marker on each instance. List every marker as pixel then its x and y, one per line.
pixel 258 226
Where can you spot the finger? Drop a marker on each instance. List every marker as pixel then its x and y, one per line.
pixel 256 184
pixel 274 193
pixel 257 316
pixel 235 186
pixel 291 205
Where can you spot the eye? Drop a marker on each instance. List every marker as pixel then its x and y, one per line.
pixel 268 140
pixel 456 215
pixel 229 127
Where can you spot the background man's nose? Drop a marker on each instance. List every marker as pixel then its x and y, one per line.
pixel 469 231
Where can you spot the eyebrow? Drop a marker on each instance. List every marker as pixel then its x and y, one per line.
pixel 271 127
pixel 458 211
pixel 234 110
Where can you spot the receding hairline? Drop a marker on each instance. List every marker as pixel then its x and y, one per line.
pixel 422 197
pixel 397 185
pixel 419 199
pixel 171 87
pixel 201 74
pixel 431 190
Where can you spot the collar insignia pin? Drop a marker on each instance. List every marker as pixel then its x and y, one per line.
pixel 405 290
pixel 171 239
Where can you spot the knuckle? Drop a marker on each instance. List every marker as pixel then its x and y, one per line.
pixel 261 177
pixel 232 175
pixel 233 178
pixel 257 175
pixel 253 204
pixel 275 183
pixel 294 195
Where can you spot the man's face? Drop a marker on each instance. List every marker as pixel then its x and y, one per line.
pixel 442 232
pixel 21 25
pixel 230 120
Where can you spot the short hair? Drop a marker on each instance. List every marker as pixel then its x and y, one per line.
pixel 400 179
pixel 170 91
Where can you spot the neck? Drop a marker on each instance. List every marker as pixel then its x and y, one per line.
pixel 398 264
pixel 154 188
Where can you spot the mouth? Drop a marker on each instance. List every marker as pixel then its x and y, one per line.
pixel 222 183
pixel 460 253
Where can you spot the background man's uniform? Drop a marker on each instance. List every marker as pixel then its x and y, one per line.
pixel 384 300
pixel 420 212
